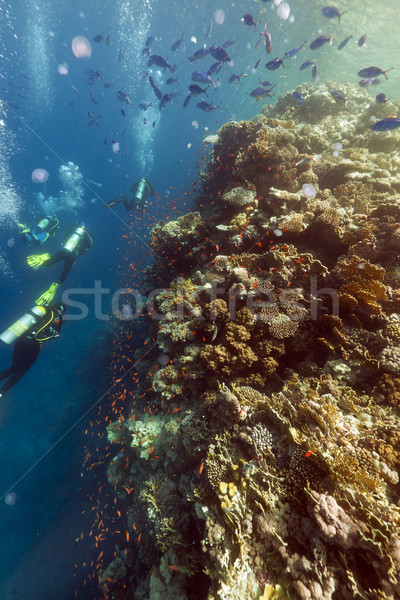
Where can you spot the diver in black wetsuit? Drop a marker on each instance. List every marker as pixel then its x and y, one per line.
pixel 45 228
pixel 141 190
pixel 76 243
pixel 47 326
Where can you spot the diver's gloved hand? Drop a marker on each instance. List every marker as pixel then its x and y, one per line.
pixel 36 260
pixel 48 295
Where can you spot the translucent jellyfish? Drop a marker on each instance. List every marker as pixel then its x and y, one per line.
pixel 81 47
pixel 283 11
pixel 195 124
pixel 116 147
pixel 163 359
pixel 40 176
pixel 11 242
pixel 335 153
pixel 127 311
pixel 338 146
pixel 309 190
pixel 219 16
pixel 10 499
pixel 62 69
pixel 277 232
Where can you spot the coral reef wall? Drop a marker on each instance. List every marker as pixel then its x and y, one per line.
pixel 264 447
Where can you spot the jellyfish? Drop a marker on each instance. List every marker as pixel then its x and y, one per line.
pixel 219 16
pixel 127 311
pixel 11 242
pixel 116 147
pixel 283 11
pixel 62 69
pixel 309 190
pixel 81 47
pixel 40 176
pixel 163 359
pixel 10 498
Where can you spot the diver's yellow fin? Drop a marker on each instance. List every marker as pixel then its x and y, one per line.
pixel 36 260
pixel 48 295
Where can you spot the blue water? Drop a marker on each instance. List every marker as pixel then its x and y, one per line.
pixel 44 124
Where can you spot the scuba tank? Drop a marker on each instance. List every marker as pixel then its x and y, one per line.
pixel 23 324
pixel 75 238
pixel 43 223
pixel 140 189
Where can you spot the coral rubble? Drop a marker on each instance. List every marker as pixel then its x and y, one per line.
pixel 264 448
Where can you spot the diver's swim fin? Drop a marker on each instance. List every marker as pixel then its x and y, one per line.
pixel 36 260
pixel 48 295
pixel 22 228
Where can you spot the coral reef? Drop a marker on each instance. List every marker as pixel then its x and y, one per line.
pixel 262 449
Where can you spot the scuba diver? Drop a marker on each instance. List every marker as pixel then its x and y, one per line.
pixel 76 243
pixel 141 190
pixel 38 325
pixel 45 228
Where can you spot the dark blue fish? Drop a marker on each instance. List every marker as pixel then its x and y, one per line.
pixel 297 96
pixel 150 40
pixel 176 44
pixel 248 20
pixel 196 90
pixel 338 96
pixel 151 81
pixel 153 124
pixel 144 121
pixel 257 64
pixel 26 76
pixel 123 96
pixel 294 51
pixel 91 81
pixel 198 55
pixel 265 84
pixel 234 77
pixel 159 61
pixel 107 41
pixel 361 41
pixel 165 98
pixel 89 72
pixel 369 81
pixel 331 12
pixel 215 68
pixel 371 72
pixel 170 80
pixel 98 38
pixel 202 77
pixel 146 52
pixel 187 100
pixel 157 92
pixel 386 124
pixel 274 64
pixel 306 64
pixel 144 105
pixel 144 74
pixel 320 41
pixel 206 107
pixel 173 68
pixel 209 29
pixel 219 54
pixel 380 98
pixel 121 55
pixel 93 99
pixel 345 41
pixel 21 95
pixel 229 43
pixel 259 93
pixel 123 113
pixel 98 75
